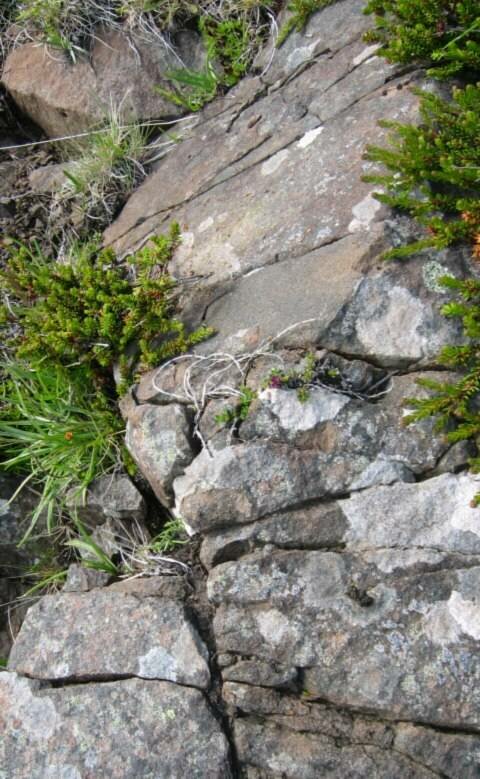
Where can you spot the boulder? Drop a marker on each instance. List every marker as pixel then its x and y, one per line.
pixel 159 440
pixel 121 72
pixel 106 634
pixel 131 728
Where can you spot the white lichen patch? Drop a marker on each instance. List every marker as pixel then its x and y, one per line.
pixel 274 627
pixel 398 330
pixel 364 213
pixel 309 137
pixel 432 272
pixel 188 239
pixel 206 224
pixel 296 416
pixel 446 621
pixel 275 162
pixel 158 664
pixel 366 54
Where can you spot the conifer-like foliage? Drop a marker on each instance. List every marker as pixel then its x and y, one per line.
pixel 434 170
pixel 442 33
pixel 434 175
pixel 92 311
pixel 456 404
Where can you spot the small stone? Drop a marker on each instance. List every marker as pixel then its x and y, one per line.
pixel 81 579
pixel 113 496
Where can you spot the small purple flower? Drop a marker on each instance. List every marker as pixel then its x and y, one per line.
pixel 275 382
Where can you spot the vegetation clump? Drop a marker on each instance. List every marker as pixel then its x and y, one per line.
pixel 434 176
pixel 57 432
pixel 66 325
pixel 92 310
pixel 434 170
pixel 455 404
pixel 444 34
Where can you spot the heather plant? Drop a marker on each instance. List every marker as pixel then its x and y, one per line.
pixel 455 404
pixel 93 311
pixel 434 170
pixel 434 175
pixel 444 34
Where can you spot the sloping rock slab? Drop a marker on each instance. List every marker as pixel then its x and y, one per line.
pixel 404 645
pixel 103 634
pixel 128 729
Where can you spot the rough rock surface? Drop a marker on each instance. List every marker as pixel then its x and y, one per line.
pixel 341 549
pixel 117 635
pixel 121 71
pixel 128 729
pixel 159 440
pixel 113 496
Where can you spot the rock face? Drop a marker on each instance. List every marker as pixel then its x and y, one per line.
pixel 122 71
pixel 129 729
pixel 341 550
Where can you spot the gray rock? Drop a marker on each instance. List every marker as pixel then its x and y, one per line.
pixel 239 484
pixel 106 634
pixel 297 451
pixel 122 71
pixel 435 514
pixel 129 729
pixel 48 178
pixel 387 647
pixel 260 673
pixel 81 579
pixel 113 496
pixel 311 527
pixel 447 754
pixel 281 752
pixel 159 440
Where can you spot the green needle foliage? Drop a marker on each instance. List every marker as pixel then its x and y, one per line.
pixel 171 536
pixel 434 175
pixel 57 431
pixel 456 404
pixel 434 169
pixel 92 311
pixel 442 33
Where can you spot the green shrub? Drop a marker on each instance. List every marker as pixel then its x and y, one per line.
pixel 455 404
pixel 442 33
pixel 434 169
pixel 91 311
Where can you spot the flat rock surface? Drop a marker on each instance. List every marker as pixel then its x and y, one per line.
pixel 105 634
pixel 124 730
